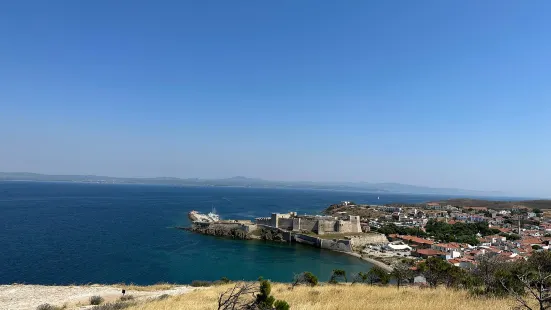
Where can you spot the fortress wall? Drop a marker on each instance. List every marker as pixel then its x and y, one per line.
pixel 344 226
pixel 264 221
pixel 285 223
pixel 309 225
pixel 297 224
pixel 329 226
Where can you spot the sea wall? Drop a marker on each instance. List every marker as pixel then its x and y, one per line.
pixel 359 242
pixel 305 239
pixel 336 245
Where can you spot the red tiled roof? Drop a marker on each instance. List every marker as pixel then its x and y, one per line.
pixel 416 239
pixel 430 252
pixel 530 241
pixel 451 245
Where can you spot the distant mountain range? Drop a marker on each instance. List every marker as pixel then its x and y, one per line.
pixel 240 181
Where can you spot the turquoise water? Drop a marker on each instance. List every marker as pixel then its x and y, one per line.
pixel 62 233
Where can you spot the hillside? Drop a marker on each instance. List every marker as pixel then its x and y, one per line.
pixel 240 181
pixel 468 202
pixel 343 297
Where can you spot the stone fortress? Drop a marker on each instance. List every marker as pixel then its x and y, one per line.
pixel 343 233
pixel 312 223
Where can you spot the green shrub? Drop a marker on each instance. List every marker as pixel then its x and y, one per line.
pixel 200 283
pixel 263 299
pixel 225 280
pixel 338 274
pixel 96 300
pixel 281 305
pixel 306 278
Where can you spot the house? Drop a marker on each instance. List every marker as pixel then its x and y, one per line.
pixel 496 239
pixel 433 206
pixel 476 219
pixel 466 263
pixel 455 262
pixel 418 242
pixel 447 247
pixel 529 242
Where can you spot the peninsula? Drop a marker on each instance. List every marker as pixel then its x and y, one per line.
pixel 344 234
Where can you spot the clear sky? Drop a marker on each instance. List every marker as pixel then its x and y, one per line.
pixel 436 93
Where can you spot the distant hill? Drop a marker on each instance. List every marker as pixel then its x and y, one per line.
pixel 241 181
pixel 467 202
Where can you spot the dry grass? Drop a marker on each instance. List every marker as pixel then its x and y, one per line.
pixel 353 297
pixel 148 288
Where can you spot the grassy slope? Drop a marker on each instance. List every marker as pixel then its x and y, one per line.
pixel 354 297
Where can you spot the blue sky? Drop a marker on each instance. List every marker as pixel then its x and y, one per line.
pixel 436 93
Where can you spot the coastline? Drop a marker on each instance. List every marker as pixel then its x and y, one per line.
pixel 369 260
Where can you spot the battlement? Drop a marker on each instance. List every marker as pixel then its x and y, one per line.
pixel 318 224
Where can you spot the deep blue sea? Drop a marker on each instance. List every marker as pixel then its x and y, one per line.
pixel 64 233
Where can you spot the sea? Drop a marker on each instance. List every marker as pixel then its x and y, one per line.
pixel 78 233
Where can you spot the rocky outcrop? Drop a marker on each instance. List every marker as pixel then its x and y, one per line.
pixel 221 230
pixel 270 234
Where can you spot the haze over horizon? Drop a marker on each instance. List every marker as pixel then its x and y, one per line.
pixel 430 93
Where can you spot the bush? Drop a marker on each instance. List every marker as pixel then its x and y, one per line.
pixel 338 274
pixel 114 306
pixel 306 278
pixel 126 298
pixel 163 297
pixel 225 280
pixel 96 300
pixel 200 283
pixel 47 307
pixel 281 305
pixel 264 300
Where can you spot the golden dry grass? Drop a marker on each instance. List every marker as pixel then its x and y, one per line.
pixel 148 288
pixel 353 297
